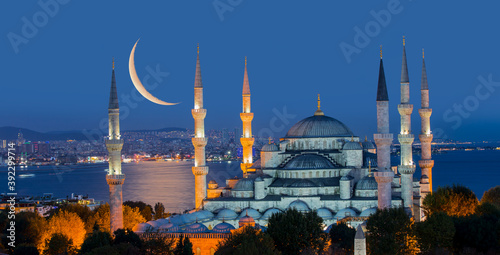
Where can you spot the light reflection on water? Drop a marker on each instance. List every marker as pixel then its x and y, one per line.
pixel 172 183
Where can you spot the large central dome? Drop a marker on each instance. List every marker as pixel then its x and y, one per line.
pixel 318 126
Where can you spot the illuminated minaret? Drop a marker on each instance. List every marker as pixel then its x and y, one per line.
pixel 246 117
pixel 405 137
pixel 383 139
pixel 200 169
pixel 114 144
pixel 425 137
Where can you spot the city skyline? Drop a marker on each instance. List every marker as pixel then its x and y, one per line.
pixel 69 61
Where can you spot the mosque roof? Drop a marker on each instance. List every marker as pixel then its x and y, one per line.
pixel 223 227
pixel 142 227
pixel 318 126
pixel 270 147
pixel 300 206
pixel 250 212
pixel 324 213
pixel 352 146
pixel 367 183
pixel 226 214
pixel 203 215
pixel 245 184
pixel 269 213
pixel 368 145
pixel 345 213
pixel 196 228
pixel 309 182
pixel 368 212
pixel 113 95
pixel 169 227
pixel 309 161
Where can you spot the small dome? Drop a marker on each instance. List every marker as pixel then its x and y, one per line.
pixel 309 161
pixel 142 228
pixel 367 145
pixel 153 223
pixel 367 183
pixel 163 221
pixel 212 182
pixel 251 212
pixel 324 213
pixel 223 227
pixel 300 206
pixel 188 218
pixel 169 227
pixel 245 184
pixel 346 212
pixel 226 214
pixel 352 146
pixel 303 183
pixel 270 147
pixel 196 228
pixel 269 213
pixel 203 215
pixel 318 126
pixel 368 212
pixel 246 221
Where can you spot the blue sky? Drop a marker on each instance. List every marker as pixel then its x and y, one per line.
pixel 57 76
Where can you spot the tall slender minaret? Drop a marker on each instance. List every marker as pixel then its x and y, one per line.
pixel 246 117
pixel 200 169
pixel 383 139
pixel 114 144
pixel 405 137
pixel 425 137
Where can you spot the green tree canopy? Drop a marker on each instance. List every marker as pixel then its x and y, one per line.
pixel 184 246
pixel 59 244
pixel 342 237
pixel 159 211
pixel 95 240
pixel 127 236
pixel 436 233
pixel 294 232
pixel 390 231
pixel 248 241
pixel 492 196
pixel 145 209
pixel 457 200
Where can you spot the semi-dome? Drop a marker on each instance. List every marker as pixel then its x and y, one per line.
pixel 300 206
pixel 169 227
pixel 142 228
pixel 269 213
pixel 246 221
pixel 309 161
pixel 352 146
pixel 346 212
pixel 226 214
pixel 250 212
pixel 223 227
pixel 270 147
pixel 368 212
pixel 367 183
pixel 324 213
pixel 203 215
pixel 318 126
pixel 196 228
pixel 245 184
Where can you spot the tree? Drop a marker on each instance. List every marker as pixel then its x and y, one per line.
pixel 390 231
pixel 342 237
pixel 145 209
pixel 294 232
pixel 26 249
pixel 248 241
pixel 457 200
pixel 492 196
pixel 477 232
pixel 131 217
pixel 127 236
pixel 30 227
pixel 183 247
pixel 59 244
pixel 159 211
pixel 95 240
pixel 67 224
pixel 159 245
pixel 436 233
pixel 82 211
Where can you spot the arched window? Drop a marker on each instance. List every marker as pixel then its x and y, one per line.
pixel 324 173
pixel 317 173
pixel 329 173
pixel 310 174
pixel 303 175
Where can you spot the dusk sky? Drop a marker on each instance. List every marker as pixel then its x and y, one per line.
pixel 56 62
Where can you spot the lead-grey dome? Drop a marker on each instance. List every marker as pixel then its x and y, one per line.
pixel 303 183
pixel 245 184
pixel 367 183
pixel 318 126
pixel 367 145
pixel 309 161
pixel 270 147
pixel 352 146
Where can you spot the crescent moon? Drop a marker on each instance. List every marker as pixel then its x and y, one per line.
pixel 137 82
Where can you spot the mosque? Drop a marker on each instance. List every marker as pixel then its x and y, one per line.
pixel 320 165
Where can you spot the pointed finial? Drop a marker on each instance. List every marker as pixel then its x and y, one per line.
pixel 198 48
pixel 423 53
pixel 404 40
pixel 381 51
pixel 113 63
pixel 369 166
pixel 319 103
pixel 245 60
pixel 319 112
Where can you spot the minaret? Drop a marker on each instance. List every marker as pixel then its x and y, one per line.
pixel 200 169
pixel 114 144
pixel 405 137
pixel 425 137
pixel 246 116
pixel 383 139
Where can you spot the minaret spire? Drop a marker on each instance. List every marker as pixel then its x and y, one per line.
pixel 383 140
pixel 114 144
pixel 319 112
pixel 200 169
pixel 405 137
pixel 246 116
pixel 426 163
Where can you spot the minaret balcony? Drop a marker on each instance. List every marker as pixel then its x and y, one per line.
pixel 383 176
pixel 383 139
pixel 426 163
pixel 199 113
pixel 115 179
pixel 247 141
pixel 425 138
pixel 405 109
pixel 406 138
pixel 200 170
pixel 246 116
pixel 199 141
pixel 425 112
pixel 406 169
